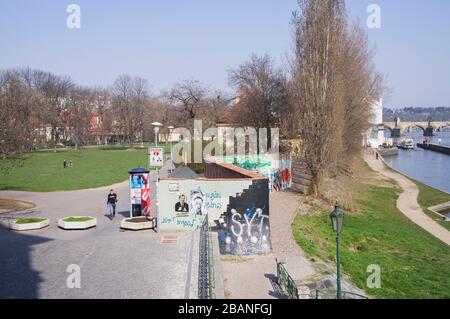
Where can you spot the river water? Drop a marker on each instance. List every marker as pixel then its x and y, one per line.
pixel 428 167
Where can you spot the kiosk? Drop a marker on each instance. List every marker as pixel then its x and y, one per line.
pixel 139 192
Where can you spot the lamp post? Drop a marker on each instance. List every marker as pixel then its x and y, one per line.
pixel 337 222
pixel 156 127
pixel 171 155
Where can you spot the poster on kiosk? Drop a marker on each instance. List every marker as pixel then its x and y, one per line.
pixel 139 192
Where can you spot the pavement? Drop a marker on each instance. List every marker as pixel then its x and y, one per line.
pixel 255 277
pixel 407 201
pixel 113 263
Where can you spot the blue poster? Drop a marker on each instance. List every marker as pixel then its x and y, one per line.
pixel 136 182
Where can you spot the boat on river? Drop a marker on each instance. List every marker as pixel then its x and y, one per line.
pixel 407 144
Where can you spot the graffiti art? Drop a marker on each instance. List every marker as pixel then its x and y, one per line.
pixel 197 202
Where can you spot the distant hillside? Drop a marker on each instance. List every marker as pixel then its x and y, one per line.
pixel 417 114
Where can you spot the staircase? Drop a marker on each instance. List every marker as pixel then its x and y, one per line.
pixel 301 177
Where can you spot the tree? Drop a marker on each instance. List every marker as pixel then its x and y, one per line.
pixel 79 113
pixel 55 90
pixel 262 91
pixel 16 115
pixel 315 89
pixel 363 85
pixel 333 86
pixel 129 96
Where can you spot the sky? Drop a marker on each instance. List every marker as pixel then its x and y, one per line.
pixel 167 41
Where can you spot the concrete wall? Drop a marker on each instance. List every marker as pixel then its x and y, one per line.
pixel 237 202
pixel 203 196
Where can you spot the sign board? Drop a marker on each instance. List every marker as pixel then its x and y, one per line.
pixel 174 187
pixel 156 156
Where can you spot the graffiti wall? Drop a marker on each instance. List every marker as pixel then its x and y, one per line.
pixel 183 204
pixel 239 208
pixel 278 170
pixel 244 227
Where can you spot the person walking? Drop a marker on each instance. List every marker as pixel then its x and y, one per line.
pixel 111 203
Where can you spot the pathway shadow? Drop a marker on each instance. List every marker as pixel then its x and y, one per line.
pixel 18 279
pixel 277 290
pixel 125 213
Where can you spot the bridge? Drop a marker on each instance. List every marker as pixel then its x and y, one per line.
pixel 429 127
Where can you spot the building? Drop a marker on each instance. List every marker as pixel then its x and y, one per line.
pixel 374 138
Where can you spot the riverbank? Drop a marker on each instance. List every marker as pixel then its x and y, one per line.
pixel 407 202
pixel 413 262
pixel 428 196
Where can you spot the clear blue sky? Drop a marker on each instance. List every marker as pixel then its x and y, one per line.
pixel 167 41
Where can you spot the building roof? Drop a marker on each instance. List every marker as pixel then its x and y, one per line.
pixel 184 172
pixel 232 115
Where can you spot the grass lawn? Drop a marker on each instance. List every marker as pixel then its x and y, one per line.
pixel 429 197
pixel 414 264
pixel 92 167
pixel 24 221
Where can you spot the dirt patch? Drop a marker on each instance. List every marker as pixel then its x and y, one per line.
pixel 10 205
pixel 139 220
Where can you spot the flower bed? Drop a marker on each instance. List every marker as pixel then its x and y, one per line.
pixel 138 223
pixel 77 222
pixel 31 223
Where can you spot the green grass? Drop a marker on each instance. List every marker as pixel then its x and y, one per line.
pixel 414 264
pixel 92 167
pixel 29 220
pixel 429 197
pixel 77 219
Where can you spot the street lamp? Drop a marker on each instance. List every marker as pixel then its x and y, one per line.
pixel 171 155
pixel 156 127
pixel 337 222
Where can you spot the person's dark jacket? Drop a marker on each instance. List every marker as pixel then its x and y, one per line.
pixel 112 198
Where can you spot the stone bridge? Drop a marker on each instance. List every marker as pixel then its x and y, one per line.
pixel 397 128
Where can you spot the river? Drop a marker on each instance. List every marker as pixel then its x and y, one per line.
pixel 428 167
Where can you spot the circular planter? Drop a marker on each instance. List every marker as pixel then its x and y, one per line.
pixel 138 223
pixel 77 222
pixel 39 223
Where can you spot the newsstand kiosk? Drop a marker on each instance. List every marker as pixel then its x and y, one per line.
pixel 139 192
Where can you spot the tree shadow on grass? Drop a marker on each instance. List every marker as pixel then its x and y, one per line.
pixel 18 279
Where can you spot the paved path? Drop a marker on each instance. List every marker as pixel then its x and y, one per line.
pixel 254 277
pixel 407 201
pixel 114 264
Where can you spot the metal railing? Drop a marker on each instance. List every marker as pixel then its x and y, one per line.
pixel 290 289
pixel 286 282
pixel 206 282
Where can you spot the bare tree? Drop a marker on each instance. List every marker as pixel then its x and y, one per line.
pixel 16 115
pixel 188 98
pixel 316 90
pixel 363 86
pixel 333 86
pixel 262 90
pixel 55 90
pixel 129 96
pixel 80 107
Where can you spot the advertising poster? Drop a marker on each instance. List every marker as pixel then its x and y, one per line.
pixel 145 195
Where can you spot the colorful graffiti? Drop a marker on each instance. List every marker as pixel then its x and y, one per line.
pixel 278 171
pixel 244 227
pixel 185 203
pixel 245 233
pixel 239 209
